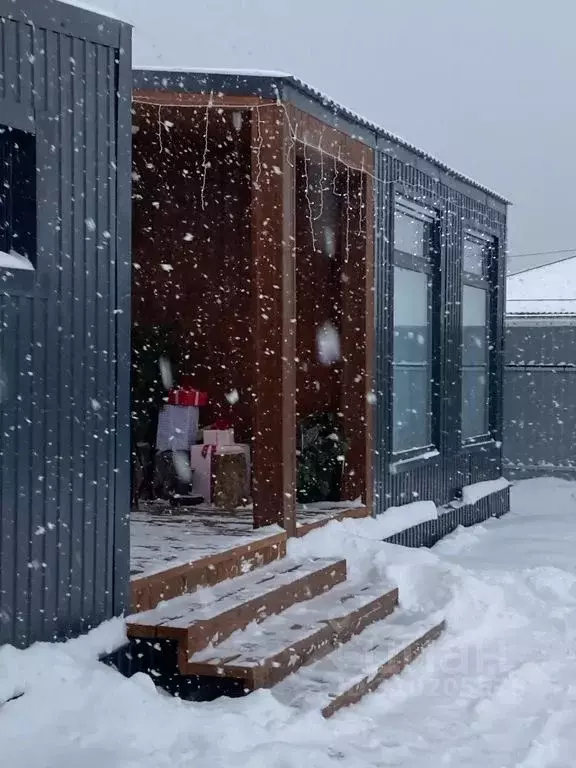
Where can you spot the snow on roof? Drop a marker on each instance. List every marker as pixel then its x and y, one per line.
pixel 92 8
pixel 218 71
pixel 526 262
pixel 547 290
pixel 322 98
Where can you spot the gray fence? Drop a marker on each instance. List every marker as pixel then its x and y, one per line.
pixel 540 396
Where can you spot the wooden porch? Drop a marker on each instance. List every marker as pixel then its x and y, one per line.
pixel 253 226
pixel 228 612
pixel 253 233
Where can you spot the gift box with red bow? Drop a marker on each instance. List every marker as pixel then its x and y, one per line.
pixel 219 433
pixel 187 396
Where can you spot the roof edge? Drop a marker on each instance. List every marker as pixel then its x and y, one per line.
pixel 267 85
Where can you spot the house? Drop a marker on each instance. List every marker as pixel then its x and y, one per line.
pixel 300 257
pixel 65 133
pixel 307 271
pixel 540 369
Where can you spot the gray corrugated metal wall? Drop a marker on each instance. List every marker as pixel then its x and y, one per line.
pixel 64 338
pixel 540 397
pixel 457 205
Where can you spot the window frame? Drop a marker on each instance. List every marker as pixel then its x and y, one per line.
pixel 42 127
pixel 427 264
pixel 13 141
pixel 482 281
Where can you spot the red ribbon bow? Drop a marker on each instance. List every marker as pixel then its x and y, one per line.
pixel 221 425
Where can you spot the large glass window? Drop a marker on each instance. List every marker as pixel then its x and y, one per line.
pixel 413 343
pixel 475 339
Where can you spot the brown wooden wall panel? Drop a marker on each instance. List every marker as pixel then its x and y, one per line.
pixel 318 282
pixel 370 343
pixel 273 239
pixel 192 247
pixel 355 350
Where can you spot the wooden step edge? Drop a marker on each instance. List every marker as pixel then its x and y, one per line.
pixel 312 648
pixel 308 586
pixel 392 667
pixel 147 591
pixel 353 513
pixel 201 632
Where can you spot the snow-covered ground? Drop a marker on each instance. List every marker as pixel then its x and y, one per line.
pixel 498 690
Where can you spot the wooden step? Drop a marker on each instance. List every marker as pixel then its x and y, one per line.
pixel 360 666
pixel 263 654
pixel 148 591
pixel 213 614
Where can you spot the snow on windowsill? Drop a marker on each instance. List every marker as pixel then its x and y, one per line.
pixel 426 456
pixel 14 260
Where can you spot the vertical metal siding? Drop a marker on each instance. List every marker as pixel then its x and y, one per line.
pixel 64 450
pixel 439 478
pixel 540 380
pixel 122 336
pixel 382 269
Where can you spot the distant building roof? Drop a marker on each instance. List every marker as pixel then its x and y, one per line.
pixel 526 261
pixel 545 290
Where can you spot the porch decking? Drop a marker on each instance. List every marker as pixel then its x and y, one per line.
pixel 203 546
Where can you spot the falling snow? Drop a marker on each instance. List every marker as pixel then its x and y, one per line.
pixel 325 286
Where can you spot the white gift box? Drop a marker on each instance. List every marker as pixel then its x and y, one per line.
pixel 201 464
pixel 218 437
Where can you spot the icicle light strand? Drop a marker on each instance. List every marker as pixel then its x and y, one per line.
pixel 205 155
pixel 258 148
pixel 308 201
pixel 321 211
pixel 361 200
pixel 294 139
pixel 347 249
pixel 161 145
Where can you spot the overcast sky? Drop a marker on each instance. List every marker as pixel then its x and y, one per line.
pixel 485 85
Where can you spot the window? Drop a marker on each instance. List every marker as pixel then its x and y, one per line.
pixel 17 199
pixel 475 337
pixel 412 391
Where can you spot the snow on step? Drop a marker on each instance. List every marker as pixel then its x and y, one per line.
pixel 360 666
pixel 212 614
pixel 263 654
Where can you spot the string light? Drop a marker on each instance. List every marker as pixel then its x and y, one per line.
pixel 347 245
pixel 417 190
pixel 160 128
pixel 293 135
pixel 205 155
pixel 308 201
pixel 260 142
pixel 321 211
